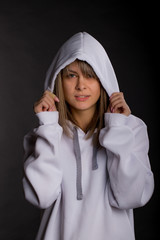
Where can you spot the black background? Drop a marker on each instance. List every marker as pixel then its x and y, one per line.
pixel 31 32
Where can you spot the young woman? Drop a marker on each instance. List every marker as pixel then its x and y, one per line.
pixel 87 163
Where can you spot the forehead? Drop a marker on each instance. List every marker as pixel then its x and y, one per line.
pixel 73 66
pixel 80 67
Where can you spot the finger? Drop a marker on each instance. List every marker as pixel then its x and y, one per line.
pixel 45 104
pixel 41 107
pixel 116 94
pixel 116 97
pixel 116 101
pixel 53 96
pixel 118 108
pixel 48 99
pixel 52 109
pixel 118 104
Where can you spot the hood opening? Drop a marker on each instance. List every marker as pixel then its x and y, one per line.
pixel 84 47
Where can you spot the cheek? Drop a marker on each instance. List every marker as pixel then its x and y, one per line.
pixel 67 89
pixel 97 90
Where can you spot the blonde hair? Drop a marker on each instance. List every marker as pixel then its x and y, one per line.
pixel 63 108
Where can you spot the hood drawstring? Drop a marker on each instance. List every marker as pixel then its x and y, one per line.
pixel 94 159
pixel 77 152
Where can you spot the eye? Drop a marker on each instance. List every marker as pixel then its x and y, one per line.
pixel 71 75
pixel 89 76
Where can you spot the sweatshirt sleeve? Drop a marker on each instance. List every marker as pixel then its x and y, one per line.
pixel 126 141
pixel 42 171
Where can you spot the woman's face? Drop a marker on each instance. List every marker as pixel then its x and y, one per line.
pixel 81 92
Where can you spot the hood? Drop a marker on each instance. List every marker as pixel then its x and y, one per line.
pixel 84 47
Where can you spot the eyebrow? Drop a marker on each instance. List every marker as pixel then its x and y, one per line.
pixel 70 70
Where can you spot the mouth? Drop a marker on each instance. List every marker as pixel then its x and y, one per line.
pixel 82 98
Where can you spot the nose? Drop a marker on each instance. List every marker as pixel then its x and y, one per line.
pixel 80 85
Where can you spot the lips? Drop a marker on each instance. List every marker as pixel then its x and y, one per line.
pixel 82 98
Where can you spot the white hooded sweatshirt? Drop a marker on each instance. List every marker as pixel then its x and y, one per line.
pixel 87 194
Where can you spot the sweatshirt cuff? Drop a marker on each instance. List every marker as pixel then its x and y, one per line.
pixel 115 119
pixel 48 117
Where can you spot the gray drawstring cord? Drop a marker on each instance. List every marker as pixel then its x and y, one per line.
pixel 94 159
pixel 77 152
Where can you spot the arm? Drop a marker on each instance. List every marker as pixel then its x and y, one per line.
pixel 130 178
pixel 43 175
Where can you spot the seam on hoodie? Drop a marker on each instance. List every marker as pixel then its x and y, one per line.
pixel 82 42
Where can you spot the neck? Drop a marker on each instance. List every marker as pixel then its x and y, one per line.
pixel 83 118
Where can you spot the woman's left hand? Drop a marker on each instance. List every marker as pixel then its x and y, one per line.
pixel 118 104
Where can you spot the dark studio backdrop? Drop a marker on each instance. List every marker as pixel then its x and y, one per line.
pixel 30 35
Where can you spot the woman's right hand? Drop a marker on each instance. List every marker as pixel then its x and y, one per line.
pixel 46 103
